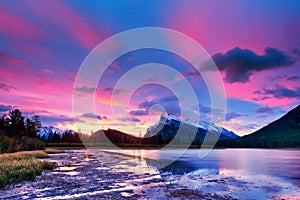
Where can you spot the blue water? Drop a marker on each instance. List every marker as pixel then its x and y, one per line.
pixel 242 173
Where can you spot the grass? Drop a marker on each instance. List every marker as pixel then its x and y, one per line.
pixel 21 166
pixel 53 151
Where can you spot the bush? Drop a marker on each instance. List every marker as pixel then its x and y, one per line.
pixel 29 144
pixel 5 144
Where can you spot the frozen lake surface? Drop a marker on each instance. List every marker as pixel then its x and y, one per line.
pixel 145 174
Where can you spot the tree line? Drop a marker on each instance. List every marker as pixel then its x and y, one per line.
pixel 18 133
pixel 14 124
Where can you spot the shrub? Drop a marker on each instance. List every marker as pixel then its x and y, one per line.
pixel 5 144
pixel 29 144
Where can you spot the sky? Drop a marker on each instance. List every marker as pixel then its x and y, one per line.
pixel 254 44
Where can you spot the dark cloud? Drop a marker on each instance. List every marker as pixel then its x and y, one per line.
pixel 28 114
pixel 85 89
pixel 239 64
pixel 7 88
pixel 168 99
pixel 109 90
pixel 4 108
pixel 53 120
pixel 293 78
pixel 5 58
pixel 257 92
pixel 281 92
pixel 264 110
pixel 173 107
pixel 261 98
pixel 296 52
pixel 147 104
pixel 92 115
pixel 138 112
pixel 131 119
pixel 232 115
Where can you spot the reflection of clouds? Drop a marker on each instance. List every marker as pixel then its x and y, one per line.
pixel 180 167
pixel 239 173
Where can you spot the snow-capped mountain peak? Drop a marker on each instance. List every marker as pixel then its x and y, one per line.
pixel 46 131
pixel 169 124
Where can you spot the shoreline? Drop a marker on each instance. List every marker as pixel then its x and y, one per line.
pixel 138 146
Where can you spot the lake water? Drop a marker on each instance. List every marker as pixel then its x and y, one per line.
pixel 240 173
pixel 151 174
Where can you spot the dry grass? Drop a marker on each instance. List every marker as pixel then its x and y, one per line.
pixel 23 155
pixel 53 151
pixel 20 166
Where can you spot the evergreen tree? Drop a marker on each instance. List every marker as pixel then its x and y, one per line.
pixel 4 125
pixel 30 128
pixel 16 123
pixel 37 121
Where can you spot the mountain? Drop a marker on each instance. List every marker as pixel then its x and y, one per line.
pixel 282 133
pixel 52 134
pixel 46 131
pixel 168 126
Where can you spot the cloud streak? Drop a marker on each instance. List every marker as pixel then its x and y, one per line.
pixel 282 92
pixel 6 88
pixel 5 108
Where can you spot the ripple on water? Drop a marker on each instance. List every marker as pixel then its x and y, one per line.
pixel 66 170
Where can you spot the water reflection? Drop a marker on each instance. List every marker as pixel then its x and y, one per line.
pixel 242 173
pixel 180 167
pixel 65 168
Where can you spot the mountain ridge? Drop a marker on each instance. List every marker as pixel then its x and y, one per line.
pixel 283 132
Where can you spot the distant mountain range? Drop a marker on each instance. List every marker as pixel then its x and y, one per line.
pixel 282 133
pixel 52 134
pixel 47 131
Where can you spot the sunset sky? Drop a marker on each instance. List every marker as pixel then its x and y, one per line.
pixel 255 45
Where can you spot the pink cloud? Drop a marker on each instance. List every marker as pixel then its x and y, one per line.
pixel 48 71
pixel 70 21
pixel 8 59
pixel 14 25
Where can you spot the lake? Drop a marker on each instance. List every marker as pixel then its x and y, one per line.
pixel 151 174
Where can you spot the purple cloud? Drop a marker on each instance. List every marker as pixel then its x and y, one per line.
pixel 239 64
pixel 131 119
pixel 4 108
pixel 92 115
pixel 7 88
pixel 168 99
pixel 264 110
pixel 85 89
pixel 281 92
pixel 232 115
pixel 293 78
pixel 138 112
pixel 52 120
pixel 173 107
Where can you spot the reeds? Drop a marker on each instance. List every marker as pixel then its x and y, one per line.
pixel 21 166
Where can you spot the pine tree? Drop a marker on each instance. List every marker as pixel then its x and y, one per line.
pixel 16 123
pixel 30 128
pixel 37 121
